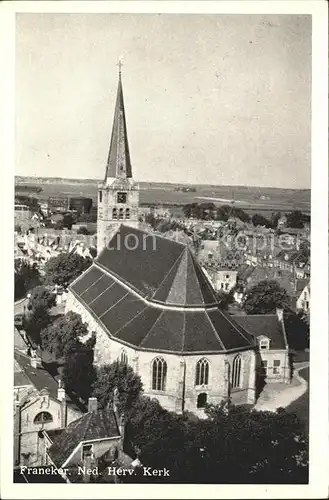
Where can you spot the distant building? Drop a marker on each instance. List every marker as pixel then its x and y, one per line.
pixel 282 222
pixel 304 299
pixel 22 213
pixel 81 205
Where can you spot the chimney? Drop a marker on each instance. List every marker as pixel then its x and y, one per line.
pixel 92 404
pixel 279 313
pixel 36 361
pixel 60 391
pixel 121 425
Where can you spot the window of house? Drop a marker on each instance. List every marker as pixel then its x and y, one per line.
pixel 236 372
pixel 43 417
pixel 227 276
pixel 202 400
pixel 122 198
pixel 121 213
pixel 276 366
pixel 305 295
pixel 159 374
pixel 127 213
pixel 100 196
pixel 222 285
pixel 87 451
pixel 307 304
pixel 123 357
pixel 202 372
pixel 226 286
pixel 114 214
pixel 265 367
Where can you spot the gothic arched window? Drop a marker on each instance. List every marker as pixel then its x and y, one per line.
pixel 123 357
pixel 236 372
pixel 120 213
pixel 159 374
pixel 127 213
pixel 44 417
pixel 114 213
pixel 202 372
pixel 202 400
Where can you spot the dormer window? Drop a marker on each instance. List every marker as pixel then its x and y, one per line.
pixel 87 451
pixel 263 342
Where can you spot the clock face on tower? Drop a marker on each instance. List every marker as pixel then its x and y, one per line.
pixel 121 197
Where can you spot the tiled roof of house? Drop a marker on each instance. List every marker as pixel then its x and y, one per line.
pixel 264 324
pixel 157 298
pixel 39 378
pixel 91 426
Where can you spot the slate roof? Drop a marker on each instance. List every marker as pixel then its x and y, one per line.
pixel 40 378
pixel 264 324
pixel 159 269
pixel 156 298
pixel 93 425
pixel 118 162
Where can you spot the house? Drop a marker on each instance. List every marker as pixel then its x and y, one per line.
pixel 40 403
pixel 304 297
pixel 95 441
pixel 273 348
pixel 282 222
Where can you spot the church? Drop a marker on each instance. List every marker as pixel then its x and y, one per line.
pixel 152 306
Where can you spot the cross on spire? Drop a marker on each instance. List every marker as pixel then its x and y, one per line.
pixel 120 64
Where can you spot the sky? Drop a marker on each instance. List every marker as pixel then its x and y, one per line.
pixel 211 99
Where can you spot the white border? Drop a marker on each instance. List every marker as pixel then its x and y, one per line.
pixel 318 487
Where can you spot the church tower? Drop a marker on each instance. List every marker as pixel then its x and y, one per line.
pixel 118 195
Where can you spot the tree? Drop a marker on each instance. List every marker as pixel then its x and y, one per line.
pixel 255 446
pixel 41 297
pixel 26 277
pixel 35 321
pixel 83 230
pixel 295 219
pixel 276 216
pixel 79 373
pixel 225 299
pixel 121 376
pixel 62 334
pixel 233 444
pixel 65 268
pixel 265 297
pixel 260 220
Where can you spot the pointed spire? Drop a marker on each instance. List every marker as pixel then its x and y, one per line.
pixel 118 162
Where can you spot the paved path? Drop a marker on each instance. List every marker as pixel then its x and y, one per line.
pixel 275 396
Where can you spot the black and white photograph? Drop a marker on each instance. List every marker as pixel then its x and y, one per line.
pixel 164 317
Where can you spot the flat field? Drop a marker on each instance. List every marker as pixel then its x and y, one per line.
pixel 250 198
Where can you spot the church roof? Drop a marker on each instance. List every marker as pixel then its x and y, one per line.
pixel 118 162
pixel 156 297
pixel 158 269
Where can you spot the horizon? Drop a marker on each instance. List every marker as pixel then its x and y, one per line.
pixel 190 115
pixel 187 183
